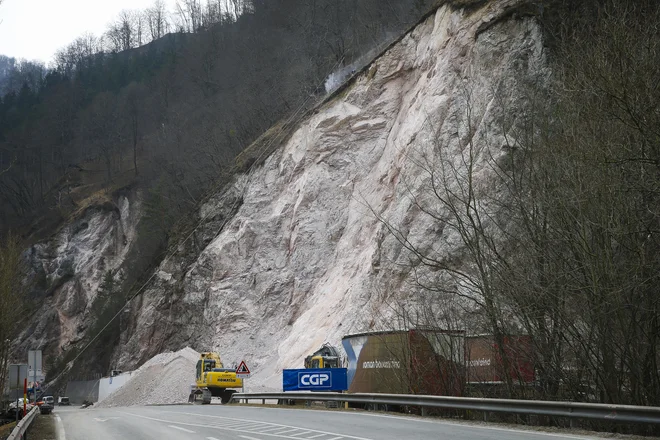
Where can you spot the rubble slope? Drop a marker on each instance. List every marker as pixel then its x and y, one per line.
pixel 295 254
pixel 165 378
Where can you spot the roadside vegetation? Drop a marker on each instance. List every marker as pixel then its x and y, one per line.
pixel 563 243
pixel 11 300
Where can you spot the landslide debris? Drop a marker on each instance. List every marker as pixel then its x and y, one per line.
pixel 163 379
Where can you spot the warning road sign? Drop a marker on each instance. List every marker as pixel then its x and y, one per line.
pixel 243 370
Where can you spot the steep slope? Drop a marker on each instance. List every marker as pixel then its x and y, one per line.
pixel 293 254
pixel 67 270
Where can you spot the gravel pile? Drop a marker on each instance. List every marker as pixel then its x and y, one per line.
pixel 163 379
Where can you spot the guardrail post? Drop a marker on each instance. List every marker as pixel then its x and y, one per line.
pixel 423 411
pixel 263 401
pixel 486 416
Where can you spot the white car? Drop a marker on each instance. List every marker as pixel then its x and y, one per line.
pixel 19 403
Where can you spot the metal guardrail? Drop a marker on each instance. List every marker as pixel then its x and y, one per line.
pixel 23 425
pixel 612 413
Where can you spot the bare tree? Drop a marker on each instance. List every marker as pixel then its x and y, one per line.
pixel 102 128
pixel 237 7
pixel 79 53
pixel 189 15
pixel 10 299
pixel 157 19
pixel 453 195
pixel 134 96
pixel 559 226
pixel 140 27
pixel 125 32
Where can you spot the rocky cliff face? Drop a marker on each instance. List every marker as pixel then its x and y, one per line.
pixel 293 252
pixel 66 271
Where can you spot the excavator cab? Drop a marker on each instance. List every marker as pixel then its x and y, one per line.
pixel 204 366
pixel 323 362
pixel 325 357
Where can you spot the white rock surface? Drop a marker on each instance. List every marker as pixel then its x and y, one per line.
pixel 304 259
pixel 66 271
pixel 165 378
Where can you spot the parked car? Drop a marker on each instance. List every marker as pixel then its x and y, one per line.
pixel 64 401
pixel 18 405
pixel 46 408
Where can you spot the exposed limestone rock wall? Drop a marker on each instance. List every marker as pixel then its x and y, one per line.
pixel 66 271
pixel 301 258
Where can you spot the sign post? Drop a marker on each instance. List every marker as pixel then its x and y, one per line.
pixel 35 361
pixel 17 373
pixel 24 397
pixel 243 372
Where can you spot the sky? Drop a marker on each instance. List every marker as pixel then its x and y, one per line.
pixel 36 29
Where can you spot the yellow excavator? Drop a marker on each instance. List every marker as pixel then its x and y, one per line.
pixel 324 357
pixel 213 380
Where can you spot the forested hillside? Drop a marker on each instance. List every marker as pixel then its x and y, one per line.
pixel 173 113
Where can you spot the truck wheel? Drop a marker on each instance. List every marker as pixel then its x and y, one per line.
pixel 206 397
pixel 226 396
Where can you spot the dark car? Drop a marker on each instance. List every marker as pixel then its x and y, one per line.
pixel 46 408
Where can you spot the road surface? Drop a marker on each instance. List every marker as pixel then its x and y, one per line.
pixel 223 422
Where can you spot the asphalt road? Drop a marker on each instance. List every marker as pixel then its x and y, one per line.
pixel 218 422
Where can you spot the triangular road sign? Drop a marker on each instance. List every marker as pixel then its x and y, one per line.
pixel 243 369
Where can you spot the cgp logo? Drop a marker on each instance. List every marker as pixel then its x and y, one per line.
pixel 315 380
pixel 318 379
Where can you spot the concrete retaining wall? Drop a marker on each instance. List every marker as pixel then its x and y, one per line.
pixel 109 385
pixel 79 390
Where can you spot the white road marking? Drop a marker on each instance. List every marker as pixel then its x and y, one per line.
pixel 304 432
pixel 248 438
pixel 60 429
pixel 227 424
pixel 462 425
pixel 315 436
pixel 242 427
pixel 290 430
pixel 277 428
pixel 294 428
pixel 239 426
pixel 104 420
pixel 211 438
pixel 200 425
pixel 181 429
